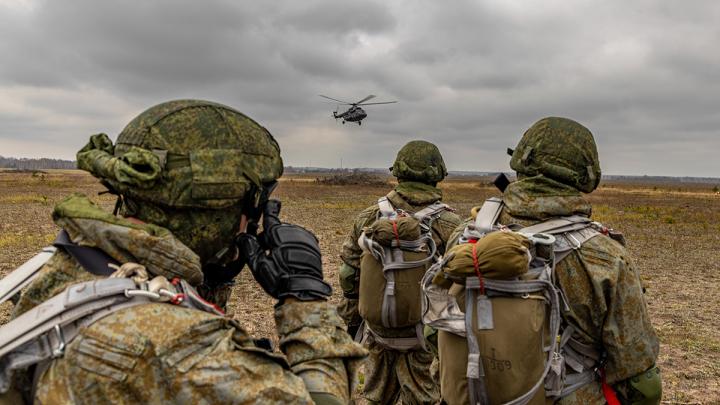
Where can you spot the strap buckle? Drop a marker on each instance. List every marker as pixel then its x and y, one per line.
pixel 60 336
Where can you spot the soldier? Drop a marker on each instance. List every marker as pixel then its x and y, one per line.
pixel 556 160
pixel 390 373
pixel 189 174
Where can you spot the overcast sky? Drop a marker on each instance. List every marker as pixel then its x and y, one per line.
pixel 471 76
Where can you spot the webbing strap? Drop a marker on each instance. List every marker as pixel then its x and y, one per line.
pixel 16 280
pixel 93 260
pixel 49 345
pixel 389 308
pixel 558 225
pixel 386 208
pixel 488 214
pixel 572 240
pixel 63 308
pixel 399 343
pixel 431 210
pixel 477 389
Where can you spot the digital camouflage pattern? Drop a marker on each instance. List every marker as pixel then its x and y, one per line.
pixel 399 378
pixel 560 149
pixel 419 161
pixel 188 166
pixel 185 154
pixel 602 286
pixel 387 375
pixel 159 353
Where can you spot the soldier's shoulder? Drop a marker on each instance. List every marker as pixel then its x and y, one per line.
pixel 367 216
pixel 605 244
pixel 604 256
pixel 450 217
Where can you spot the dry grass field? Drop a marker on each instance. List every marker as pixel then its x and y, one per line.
pixel 673 232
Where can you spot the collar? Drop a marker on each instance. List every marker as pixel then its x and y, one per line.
pixel 415 193
pixel 539 197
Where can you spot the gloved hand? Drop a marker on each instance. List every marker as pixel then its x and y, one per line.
pixel 216 274
pixel 292 266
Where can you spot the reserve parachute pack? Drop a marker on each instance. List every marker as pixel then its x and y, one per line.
pixel 505 335
pixel 398 248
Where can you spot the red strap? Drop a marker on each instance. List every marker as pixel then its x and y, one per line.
pixel 477 269
pixel 395 231
pixel 607 390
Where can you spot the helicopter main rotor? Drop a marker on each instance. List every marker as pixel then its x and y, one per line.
pixel 361 102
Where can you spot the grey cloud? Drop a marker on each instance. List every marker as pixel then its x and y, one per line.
pixel 471 76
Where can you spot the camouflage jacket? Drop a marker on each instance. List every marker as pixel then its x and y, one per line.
pixel 160 353
pixel 602 286
pixel 409 196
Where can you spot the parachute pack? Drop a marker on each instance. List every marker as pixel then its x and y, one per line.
pixel 499 311
pixel 398 248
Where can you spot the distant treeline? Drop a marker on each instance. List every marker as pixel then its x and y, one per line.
pixel 36 164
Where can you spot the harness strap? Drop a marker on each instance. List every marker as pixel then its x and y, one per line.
pixel 389 308
pixel 63 308
pixel 431 211
pixel 559 225
pixel 16 280
pixel 566 242
pixel 93 260
pixel 42 333
pixel 477 389
pixel 386 208
pixel 488 214
pixel 402 344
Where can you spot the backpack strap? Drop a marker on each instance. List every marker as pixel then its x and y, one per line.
pixel 42 333
pixel 485 220
pixel 75 302
pixel 570 233
pixel 402 344
pixel 488 214
pixel 93 260
pixel 386 208
pixel 431 210
pixel 16 280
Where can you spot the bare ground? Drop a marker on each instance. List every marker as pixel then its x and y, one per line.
pixel 673 232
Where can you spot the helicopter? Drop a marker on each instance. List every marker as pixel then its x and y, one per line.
pixel 355 113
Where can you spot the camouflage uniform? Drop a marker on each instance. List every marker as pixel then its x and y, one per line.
pixel 159 352
pixel 601 284
pixel 390 374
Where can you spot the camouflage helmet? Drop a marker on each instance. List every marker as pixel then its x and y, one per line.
pixel 186 154
pixel 187 165
pixel 561 149
pixel 419 161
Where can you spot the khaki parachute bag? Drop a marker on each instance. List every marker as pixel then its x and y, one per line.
pixel 504 341
pixel 398 248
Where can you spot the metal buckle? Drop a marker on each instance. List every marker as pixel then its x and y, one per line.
pixel 60 350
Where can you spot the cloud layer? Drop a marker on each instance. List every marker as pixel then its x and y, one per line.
pixel 471 76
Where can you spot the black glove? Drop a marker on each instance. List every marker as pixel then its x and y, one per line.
pixel 216 274
pixel 292 266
